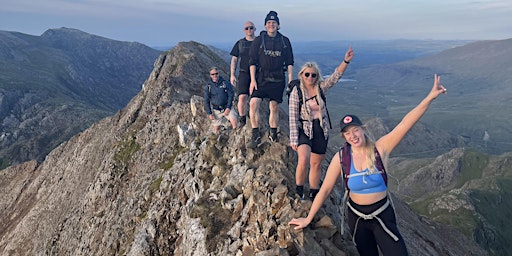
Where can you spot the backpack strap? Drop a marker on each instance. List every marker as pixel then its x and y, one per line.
pixel 326 110
pixel 240 46
pixel 380 166
pixel 296 83
pixel 345 167
pixel 345 161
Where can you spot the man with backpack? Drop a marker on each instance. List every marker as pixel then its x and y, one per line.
pixel 370 215
pixel 240 53
pixel 271 53
pixel 218 100
pixel 309 121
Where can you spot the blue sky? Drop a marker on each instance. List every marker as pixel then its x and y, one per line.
pixel 166 22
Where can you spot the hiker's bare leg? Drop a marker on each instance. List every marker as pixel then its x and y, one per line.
pixel 233 120
pixel 254 112
pixel 304 152
pixel 242 104
pixel 315 170
pixel 273 119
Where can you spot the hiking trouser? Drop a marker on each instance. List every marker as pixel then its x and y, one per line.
pixel 368 232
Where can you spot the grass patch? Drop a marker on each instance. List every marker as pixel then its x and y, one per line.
pixel 463 219
pixel 155 185
pixel 496 207
pixel 170 162
pixel 126 149
pixel 473 164
pixel 4 163
pixel 213 217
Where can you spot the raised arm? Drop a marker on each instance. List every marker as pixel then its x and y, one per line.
pixel 338 72
pixel 388 142
pixel 348 57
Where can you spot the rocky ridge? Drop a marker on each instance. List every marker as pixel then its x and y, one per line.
pixel 153 180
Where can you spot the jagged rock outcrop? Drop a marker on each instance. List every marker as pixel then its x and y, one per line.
pixel 154 180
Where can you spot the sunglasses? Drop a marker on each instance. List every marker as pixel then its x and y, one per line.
pixel 214 74
pixel 249 28
pixel 313 75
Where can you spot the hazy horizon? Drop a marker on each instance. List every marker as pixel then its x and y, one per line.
pixel 167 22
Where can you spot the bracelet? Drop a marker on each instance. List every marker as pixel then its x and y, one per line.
pixel 346 61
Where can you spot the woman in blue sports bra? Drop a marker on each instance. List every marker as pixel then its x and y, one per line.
pixel 371 217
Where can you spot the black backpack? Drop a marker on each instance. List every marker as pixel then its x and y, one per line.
pixel 296 83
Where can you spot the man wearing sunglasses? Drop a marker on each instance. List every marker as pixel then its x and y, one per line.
pixel 218 100
pixel 270 56
pixel 240 53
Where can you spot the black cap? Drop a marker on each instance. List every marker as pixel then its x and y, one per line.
pixel 349 120
pixel 272 15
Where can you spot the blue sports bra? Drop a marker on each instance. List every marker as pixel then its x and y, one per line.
pixel 365 182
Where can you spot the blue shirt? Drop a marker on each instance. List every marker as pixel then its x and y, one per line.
pixel 365 182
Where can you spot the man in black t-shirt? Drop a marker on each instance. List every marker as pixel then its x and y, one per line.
pixel 240 53
pixel 270 56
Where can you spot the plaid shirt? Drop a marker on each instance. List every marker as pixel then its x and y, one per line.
pixel 307 121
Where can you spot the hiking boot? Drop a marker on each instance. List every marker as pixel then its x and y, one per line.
pixel 242 121
pixel 254 143
pixel 312 193
pixel 300 191
pixel 273 137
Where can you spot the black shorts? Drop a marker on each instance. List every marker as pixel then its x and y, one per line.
pixel 244 82
pixel 271 90
pixel 318 144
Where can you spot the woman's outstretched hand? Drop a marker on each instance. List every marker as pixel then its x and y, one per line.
pixel 349 54
pixel 438 88
pixel 300 223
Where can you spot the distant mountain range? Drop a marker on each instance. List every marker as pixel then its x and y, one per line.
pixel 55 85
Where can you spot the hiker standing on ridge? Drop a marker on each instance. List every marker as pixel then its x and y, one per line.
pixel 371 218
pixel 240 52
pixel 271 53
pixel 218 100
pixel 309 121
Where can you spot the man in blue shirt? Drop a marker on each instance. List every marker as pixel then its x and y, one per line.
pixel 218 100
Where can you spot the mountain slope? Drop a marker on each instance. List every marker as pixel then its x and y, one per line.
pixel 153 180
pixel 475 111
pixel 462 188
pixel 55 85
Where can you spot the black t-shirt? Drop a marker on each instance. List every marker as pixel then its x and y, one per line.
pixel 241 50
pixel 271 54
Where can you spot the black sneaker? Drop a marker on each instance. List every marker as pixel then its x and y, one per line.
pixel 300 191
pixel 254 143
pixel 273 137
pixel 242 121
pixel 312 193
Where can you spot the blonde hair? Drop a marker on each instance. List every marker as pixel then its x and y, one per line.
pixel 370 153
pixel 318 81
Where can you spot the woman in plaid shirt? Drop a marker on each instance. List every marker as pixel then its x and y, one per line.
pixel 309 129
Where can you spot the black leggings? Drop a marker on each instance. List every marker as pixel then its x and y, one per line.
pixel 370 233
